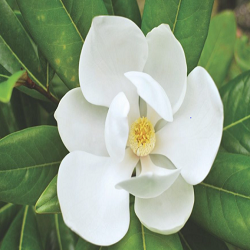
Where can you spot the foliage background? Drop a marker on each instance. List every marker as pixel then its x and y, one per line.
pixel 29 159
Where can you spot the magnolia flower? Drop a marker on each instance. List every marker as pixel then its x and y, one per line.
pixel 107 137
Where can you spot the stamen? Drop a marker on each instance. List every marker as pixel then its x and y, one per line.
pixel 142 137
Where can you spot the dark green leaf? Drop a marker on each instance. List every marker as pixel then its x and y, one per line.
pixel 223 200
pixel 16 48
pixel 138 237
pixel 189 21
pixel 218 51
pixel 25 110
pixel 195 238
pixel 8 122
pixel 48 71
pixel 7 213
pixel 48 201
pixel 235 97
pixel 23 233
pixel 29 160
pixel 59 28
pixel 7 86
pixel 61 237
pixel 128 8
pixel 4 74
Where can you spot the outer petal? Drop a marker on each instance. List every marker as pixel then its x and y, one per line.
pixel 116 127
pixel 114 45
pixel 152 93
pixel 191 142
pixel 152 182
pixel 91 205
pixel 167 213
pixel 166 63
pixel 81 124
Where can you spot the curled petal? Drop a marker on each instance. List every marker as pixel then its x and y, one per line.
pixel 152 93
pixel 116 127
pixel 152 181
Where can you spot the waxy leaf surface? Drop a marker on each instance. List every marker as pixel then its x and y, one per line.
pixel 223 200
pixel 59 29
pixel 29 160
pixel 218 51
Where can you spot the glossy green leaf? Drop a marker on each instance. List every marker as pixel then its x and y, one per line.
pixel 128 8
pixel 189 21
pixel 138 237
pixel 235 97
pixel 25 109
pixel 48 71
pixel 8 123
pixel 4 74
pixel 195 238
pixel 23 233
pixel 242 53
pixel 8 212
pixel 29 160
pixel 15 47
pixel 59 28
pixel 223 200
pixel 7 86
pixel 218 51
pixel 61 237
pixel 48 201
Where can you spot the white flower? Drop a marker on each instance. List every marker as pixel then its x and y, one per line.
pixel 101 126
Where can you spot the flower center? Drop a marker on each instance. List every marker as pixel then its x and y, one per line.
pixel 142 137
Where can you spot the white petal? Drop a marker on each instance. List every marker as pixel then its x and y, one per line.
pixel 152 93
pixel 113 46
pixel 166 63
pixel 91 205
pixel 192 140
pixel 167 213
pixel 81 124
pixel 152 181
pixel 116 127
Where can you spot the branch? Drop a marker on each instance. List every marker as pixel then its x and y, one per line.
pixel 27 82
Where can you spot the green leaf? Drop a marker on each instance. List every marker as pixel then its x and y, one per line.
pixel 195 238
pixel 4 74
pixel 59 28
pixel 7 213
pixel 25 109
pixel 218 51
pixel 138 237
pixel 128 8
pixel 8 123
pixel 235 97
pixel 15 46
pixel 223 200
pixel 48 201
pixel 242 53
pixel 23 233
pixel 189 21
pixel 61 237
pixel 7 86
pixel 29 160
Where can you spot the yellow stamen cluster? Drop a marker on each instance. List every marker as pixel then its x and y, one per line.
pixel 142 137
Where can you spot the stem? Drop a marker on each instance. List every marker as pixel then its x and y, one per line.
pixel 31 85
